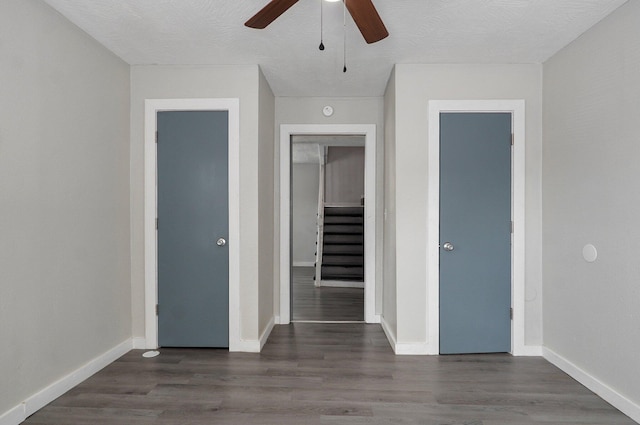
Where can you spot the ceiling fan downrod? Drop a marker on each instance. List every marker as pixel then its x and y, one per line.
pixel 344 33
pixel 321 47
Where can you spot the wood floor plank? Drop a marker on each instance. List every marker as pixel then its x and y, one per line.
pixel 327 374
pixel 323 303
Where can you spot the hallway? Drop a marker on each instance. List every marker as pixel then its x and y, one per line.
pixel 316 374
pixel 326 303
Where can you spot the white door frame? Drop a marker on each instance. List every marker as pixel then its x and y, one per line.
pixel 152 107
pixel 517 110
pixel 369 132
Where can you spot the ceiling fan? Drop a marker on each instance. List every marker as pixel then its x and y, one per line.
pixel 363 13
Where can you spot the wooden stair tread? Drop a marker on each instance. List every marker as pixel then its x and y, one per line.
pixel 343 260
pixel 356 249
pixel 344 211
pixel 341 219
pixel 342 273
pixel 344 239
pixel 346 229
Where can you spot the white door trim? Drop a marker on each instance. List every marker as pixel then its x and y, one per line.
pixel 152 107
pixel 517 109
pixel 367 130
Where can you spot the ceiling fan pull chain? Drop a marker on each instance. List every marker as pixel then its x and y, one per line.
pixel 344 31
pixel 321 47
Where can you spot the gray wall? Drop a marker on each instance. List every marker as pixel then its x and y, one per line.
pixel 415 85
pixel 304 200
pixel 256 139
pixel 65 294
pixel 344 177
pixel 591 196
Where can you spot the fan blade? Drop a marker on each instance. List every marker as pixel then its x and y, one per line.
pixel 269 13
pixel 367 19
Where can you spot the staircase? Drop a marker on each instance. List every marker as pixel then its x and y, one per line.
pixel 343 244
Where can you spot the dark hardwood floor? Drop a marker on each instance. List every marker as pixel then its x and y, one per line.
pixel 325 303
pixel 327 374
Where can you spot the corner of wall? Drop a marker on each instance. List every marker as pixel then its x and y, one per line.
pixel 267 206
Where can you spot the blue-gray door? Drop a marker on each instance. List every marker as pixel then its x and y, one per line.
pixel 193 214
pixel 475 232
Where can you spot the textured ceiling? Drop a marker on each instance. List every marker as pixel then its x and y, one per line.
pixel 421 31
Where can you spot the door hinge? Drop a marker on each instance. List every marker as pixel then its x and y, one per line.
pixel 512 137
pixel 157 309
pixel 512 227
pixel 511 313
pixel 156 224
pixel 157 137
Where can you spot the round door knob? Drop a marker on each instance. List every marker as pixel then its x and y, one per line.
pixel 221 242
pixel 448 246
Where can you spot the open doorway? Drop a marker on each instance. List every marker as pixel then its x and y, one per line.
pixel 327 228
pixel 366 131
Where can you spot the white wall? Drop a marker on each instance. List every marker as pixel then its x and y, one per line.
pixel 266 213
pixel 308 110
pixel 415 85
pixel 591 193
pixel 344 175
pixel 65 295
pixel 389 299
pixel 243 82
pixel 304 199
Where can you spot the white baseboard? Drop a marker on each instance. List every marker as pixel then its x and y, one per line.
pixel 55 390
pixel 376 319
pixel 14 416
pixel 304 264
pixel 412 349
pixel 607 393
pixel 404 348
pixel 391 336
pixel 267 331
pixel 529 351
pixel 140 343
pixel 45 396
pixel 341 284
pixel 254 346
pixel 246 346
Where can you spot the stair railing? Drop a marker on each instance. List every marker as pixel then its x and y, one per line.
pixel 320 216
